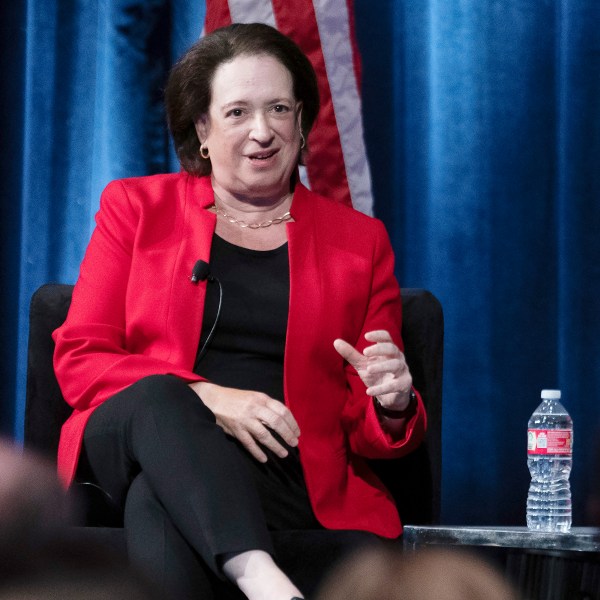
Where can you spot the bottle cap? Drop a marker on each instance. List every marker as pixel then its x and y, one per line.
pixel 550 394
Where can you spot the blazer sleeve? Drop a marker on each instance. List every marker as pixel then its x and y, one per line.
pixel 384 311
pixel 91 359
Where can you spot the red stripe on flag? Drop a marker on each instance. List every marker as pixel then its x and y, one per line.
pixel 356 62
pixel 217 15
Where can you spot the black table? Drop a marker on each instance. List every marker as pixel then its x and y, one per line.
pixel 543 566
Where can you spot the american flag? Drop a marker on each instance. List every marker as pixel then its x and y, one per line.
pixel 337 164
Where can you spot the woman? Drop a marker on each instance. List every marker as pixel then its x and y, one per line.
pixel 218 441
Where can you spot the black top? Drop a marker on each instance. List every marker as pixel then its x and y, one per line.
pixel 247 349
pixel 247 352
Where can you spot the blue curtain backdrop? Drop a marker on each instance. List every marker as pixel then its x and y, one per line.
pixel 483 132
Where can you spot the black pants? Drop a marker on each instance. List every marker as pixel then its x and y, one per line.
pixel 187 494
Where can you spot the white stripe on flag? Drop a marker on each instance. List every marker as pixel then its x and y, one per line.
pixel 304 176
pixel 252 11
pixel 334 31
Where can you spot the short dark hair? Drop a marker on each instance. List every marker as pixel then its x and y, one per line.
pixel 188 91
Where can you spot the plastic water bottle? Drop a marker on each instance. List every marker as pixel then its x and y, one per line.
pixel 549 458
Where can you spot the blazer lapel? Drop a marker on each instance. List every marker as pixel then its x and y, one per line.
pixel 306 299
pixel 187 298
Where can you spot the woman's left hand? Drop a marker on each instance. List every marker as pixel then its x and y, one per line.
pixel 382 368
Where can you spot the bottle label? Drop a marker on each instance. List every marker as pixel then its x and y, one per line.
pixel 549 441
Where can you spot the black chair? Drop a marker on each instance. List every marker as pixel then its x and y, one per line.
pixel 415 481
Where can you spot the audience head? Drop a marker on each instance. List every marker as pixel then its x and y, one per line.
pixel 70 568
pixel 382 574
pixel 33 504
pixel 41 556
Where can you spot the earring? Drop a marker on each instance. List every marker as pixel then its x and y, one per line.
pixel 204 152
pixel 302 141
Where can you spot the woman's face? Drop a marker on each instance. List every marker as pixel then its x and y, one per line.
pixel 252 129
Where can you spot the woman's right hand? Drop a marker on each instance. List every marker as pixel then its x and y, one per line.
pixel 250 417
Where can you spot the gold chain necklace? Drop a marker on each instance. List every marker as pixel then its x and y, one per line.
pixel 285 217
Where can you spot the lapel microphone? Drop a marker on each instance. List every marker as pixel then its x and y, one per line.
pixel 201 272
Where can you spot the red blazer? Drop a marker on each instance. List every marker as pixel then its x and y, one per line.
pixel 135 313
